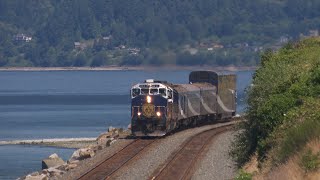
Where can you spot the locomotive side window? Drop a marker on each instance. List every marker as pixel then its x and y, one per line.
pixel 135 92
pixel 162 91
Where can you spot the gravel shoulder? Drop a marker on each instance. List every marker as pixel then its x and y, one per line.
pixel 89 163
pixel 142 167
pixel 216 163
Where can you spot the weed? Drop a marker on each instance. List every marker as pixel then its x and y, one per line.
pixel 310 161
pixel 242 175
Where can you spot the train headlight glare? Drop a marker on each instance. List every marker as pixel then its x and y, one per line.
pixel 158 114
pixel 148 99
pixel 139 113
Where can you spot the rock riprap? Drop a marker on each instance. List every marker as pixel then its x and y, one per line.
pixel 82 154
pixel 54 166
pixel 52 161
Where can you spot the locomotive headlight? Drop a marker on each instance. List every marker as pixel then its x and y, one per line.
pixel 139 113
pixel 148 99
pixel 158 114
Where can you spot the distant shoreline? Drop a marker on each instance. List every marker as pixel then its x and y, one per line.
pixel 132 68
pixel 55 142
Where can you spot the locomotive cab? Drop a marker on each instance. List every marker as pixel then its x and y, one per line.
pixel 149 102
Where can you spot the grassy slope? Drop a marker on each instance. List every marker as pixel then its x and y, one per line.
pixel 284 113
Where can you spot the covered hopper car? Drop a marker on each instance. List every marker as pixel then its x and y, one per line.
pixel 159 107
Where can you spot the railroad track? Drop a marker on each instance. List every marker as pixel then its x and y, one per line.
pixel 181 164
pixel 178 166
pixel 110 165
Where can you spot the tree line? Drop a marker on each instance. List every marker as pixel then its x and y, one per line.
pixel 157 28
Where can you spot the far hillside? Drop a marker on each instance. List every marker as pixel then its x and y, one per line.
pixel 281 139
pixel 50 33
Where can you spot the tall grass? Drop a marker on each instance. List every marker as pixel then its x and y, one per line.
pixel 297 137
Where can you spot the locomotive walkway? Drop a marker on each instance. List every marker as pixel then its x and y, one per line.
pixel 181 163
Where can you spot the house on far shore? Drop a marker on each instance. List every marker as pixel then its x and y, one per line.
pixel 313 33
pixel 107 38
pixel 77 45
pixel 22 38
pixel 217 46
pixel 134 51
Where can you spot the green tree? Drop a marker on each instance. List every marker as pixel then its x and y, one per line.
pixel 3 61
pixel 131 60
pixel 99 60
pixel 9 49
pixel 165 25
pixel 80 60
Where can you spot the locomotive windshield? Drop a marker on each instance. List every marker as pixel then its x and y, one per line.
pixel 144 91
pixel 151 89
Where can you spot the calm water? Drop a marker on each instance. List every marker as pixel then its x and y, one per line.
pixel 61 104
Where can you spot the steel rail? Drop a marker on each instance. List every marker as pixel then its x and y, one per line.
pixel 180 163
pixel 110 165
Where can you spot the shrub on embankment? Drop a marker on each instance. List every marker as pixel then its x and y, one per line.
pixel 283 112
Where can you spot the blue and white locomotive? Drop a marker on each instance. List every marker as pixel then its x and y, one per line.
pixel 159 107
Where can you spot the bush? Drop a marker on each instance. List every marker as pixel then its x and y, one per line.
pixel 80 60
pixel 131 60
pixel 99 60
pixel 3 61
pixel 242 175
pixel 310 161
pixel 283 108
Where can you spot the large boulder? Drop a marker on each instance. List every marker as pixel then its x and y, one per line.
pixel 86 153
pixel 52 161
pixel 75 156
pixel 37 177
pixel 54 172
pixel 81 154
pixel 104 136
pixel 111 129
pixel 71 166
pixel 110 142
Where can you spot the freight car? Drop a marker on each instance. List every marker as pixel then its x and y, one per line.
pixel 159 107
